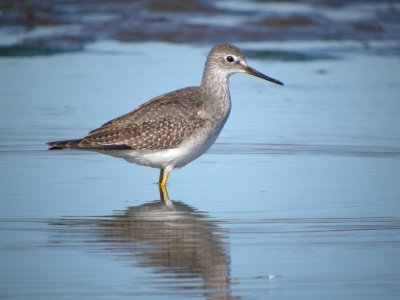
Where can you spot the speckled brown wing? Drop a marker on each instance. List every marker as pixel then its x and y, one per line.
pixel 162 123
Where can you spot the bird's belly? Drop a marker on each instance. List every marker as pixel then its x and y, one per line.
pixel 168 158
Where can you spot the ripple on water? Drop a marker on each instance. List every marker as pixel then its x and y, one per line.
pixel 239 149
pixel 303 149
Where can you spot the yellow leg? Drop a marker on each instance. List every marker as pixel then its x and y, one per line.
pixel 162 181
pixel 161 177
pixel 164 195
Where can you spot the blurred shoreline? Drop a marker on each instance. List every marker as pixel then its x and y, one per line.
pixel 40 27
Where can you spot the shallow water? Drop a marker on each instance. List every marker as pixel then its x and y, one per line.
pixel 298 198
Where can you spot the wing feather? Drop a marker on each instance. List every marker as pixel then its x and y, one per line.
pixel 161 123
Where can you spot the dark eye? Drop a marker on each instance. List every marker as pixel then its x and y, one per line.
pixel 230 59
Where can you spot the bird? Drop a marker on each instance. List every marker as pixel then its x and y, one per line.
pixel 175 128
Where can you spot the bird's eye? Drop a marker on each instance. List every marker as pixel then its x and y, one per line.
pixel 230 59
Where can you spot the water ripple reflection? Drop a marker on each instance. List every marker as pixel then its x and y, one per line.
pixel 184 248
pixel 305 149
pixel 337 232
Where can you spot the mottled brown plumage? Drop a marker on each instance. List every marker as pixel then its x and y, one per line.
pixel 161 123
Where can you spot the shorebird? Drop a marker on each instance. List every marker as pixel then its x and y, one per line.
pixel 173 129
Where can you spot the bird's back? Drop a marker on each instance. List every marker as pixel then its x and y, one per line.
pixel 161 123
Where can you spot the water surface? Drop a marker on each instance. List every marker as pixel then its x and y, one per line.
pixel 299 197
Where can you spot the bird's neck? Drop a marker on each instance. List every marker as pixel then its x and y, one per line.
pixel 215 86
pixel 216 101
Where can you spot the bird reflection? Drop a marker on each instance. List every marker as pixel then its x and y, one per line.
pixel 170 237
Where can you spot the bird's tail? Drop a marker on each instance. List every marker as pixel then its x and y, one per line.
pixel 67 144
pixel 80 144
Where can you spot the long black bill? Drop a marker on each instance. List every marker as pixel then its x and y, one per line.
pixel 254 72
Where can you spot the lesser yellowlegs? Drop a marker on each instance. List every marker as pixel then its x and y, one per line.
pixel 175 128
